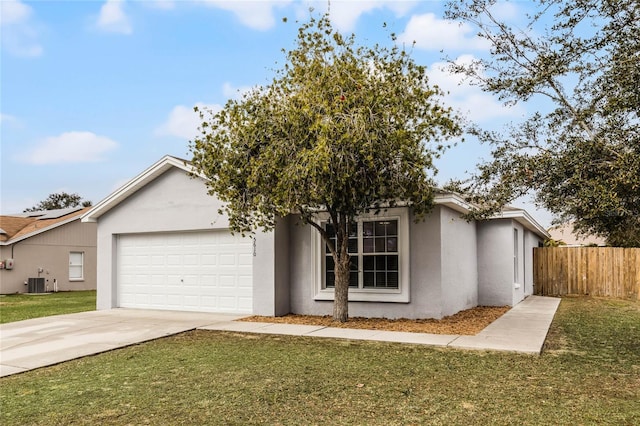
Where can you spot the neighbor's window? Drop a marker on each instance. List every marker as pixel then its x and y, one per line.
pixel 76 265
pixel 373 246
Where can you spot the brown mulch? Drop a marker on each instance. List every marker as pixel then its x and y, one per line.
pixel 468 322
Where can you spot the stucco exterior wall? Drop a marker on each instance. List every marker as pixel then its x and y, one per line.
pixel 271 271
pixel 171 202
pixel 495 262
pixel 459 263
pixel 442 271
pixel 49 251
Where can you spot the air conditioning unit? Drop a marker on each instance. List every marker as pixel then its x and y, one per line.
pixel 35 285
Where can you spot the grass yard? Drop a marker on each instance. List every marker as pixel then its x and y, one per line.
pixel 17 307
pixel 589 373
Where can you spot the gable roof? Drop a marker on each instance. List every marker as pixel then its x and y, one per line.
pixel 18 227
pixel 449 199
pixel 135 184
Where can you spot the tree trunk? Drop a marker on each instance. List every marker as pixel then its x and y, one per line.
pixel 342 261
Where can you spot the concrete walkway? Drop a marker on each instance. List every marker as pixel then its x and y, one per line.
pixel 522 329
pixel 40 342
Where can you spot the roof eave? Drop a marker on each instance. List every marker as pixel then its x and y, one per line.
pixel 525 219
pixel 39 231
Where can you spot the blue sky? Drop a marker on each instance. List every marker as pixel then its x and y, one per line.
pixel 94 92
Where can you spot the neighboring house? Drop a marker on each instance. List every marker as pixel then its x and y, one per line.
pixel 47 251
pixel 163 245
pixel 565 233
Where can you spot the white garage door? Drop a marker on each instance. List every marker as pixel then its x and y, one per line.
pixel 207 271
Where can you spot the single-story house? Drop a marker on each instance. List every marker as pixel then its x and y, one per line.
pixel 46 251
pixel 163 245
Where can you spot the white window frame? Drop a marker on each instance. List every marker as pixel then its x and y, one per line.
pixel 516 256
pixel 73 265
pixel 397 295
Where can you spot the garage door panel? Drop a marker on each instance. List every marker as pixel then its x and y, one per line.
pixel 199 271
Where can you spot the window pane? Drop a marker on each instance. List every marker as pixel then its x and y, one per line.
pixel 381 279
pixel 353 263
pixel 331 232
pixel 368 263
pixel 381 228
pixel 330 280
pixel 392 227
pixel 353 279
pixel 367 229
pixel 380 245
pixel 381 263
pixel 75 272
pixel 330 264
pixel 392 280
pixel 392 263
pixel 75 259
pixel 367 245
pixel 392 244
pixel 353 230
pixel 368 279
pixel 353 245
pixel 333 242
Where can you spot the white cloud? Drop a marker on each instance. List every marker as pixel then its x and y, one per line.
pixel 113 19
pixel 505 11
pixel 470 100
pixel 232 92
pixel 431 33
pixel 7 118
pixel 69 147
pixel 253 14
pixel 183 122
pixel 19 34
pixel 345 14
pixel 13 11
pixel 160 4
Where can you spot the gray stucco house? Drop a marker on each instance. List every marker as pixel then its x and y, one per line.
pixel 46 251
pixel 162 245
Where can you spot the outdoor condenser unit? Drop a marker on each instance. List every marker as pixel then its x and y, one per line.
pixel 35 285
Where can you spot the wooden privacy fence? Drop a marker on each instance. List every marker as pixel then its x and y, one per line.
pixel 595 271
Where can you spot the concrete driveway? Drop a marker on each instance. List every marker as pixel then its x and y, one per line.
pixel 25 345
pixel 39 342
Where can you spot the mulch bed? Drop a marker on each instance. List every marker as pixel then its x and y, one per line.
pixel 468 322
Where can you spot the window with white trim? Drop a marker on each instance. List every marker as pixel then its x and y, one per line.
pixel 516 256
pixel 374 245
pixel 379 250
pixel 76 266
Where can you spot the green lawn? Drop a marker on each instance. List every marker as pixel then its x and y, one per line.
pixel 17 307
pixel 588 374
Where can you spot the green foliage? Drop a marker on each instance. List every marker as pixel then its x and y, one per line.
pixel 582 159
pixel 342 129
pixel 60 200
pixel 550 242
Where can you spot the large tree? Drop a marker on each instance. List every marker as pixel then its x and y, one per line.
pixel 340 130
pixel 581 156
pixel 59 200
